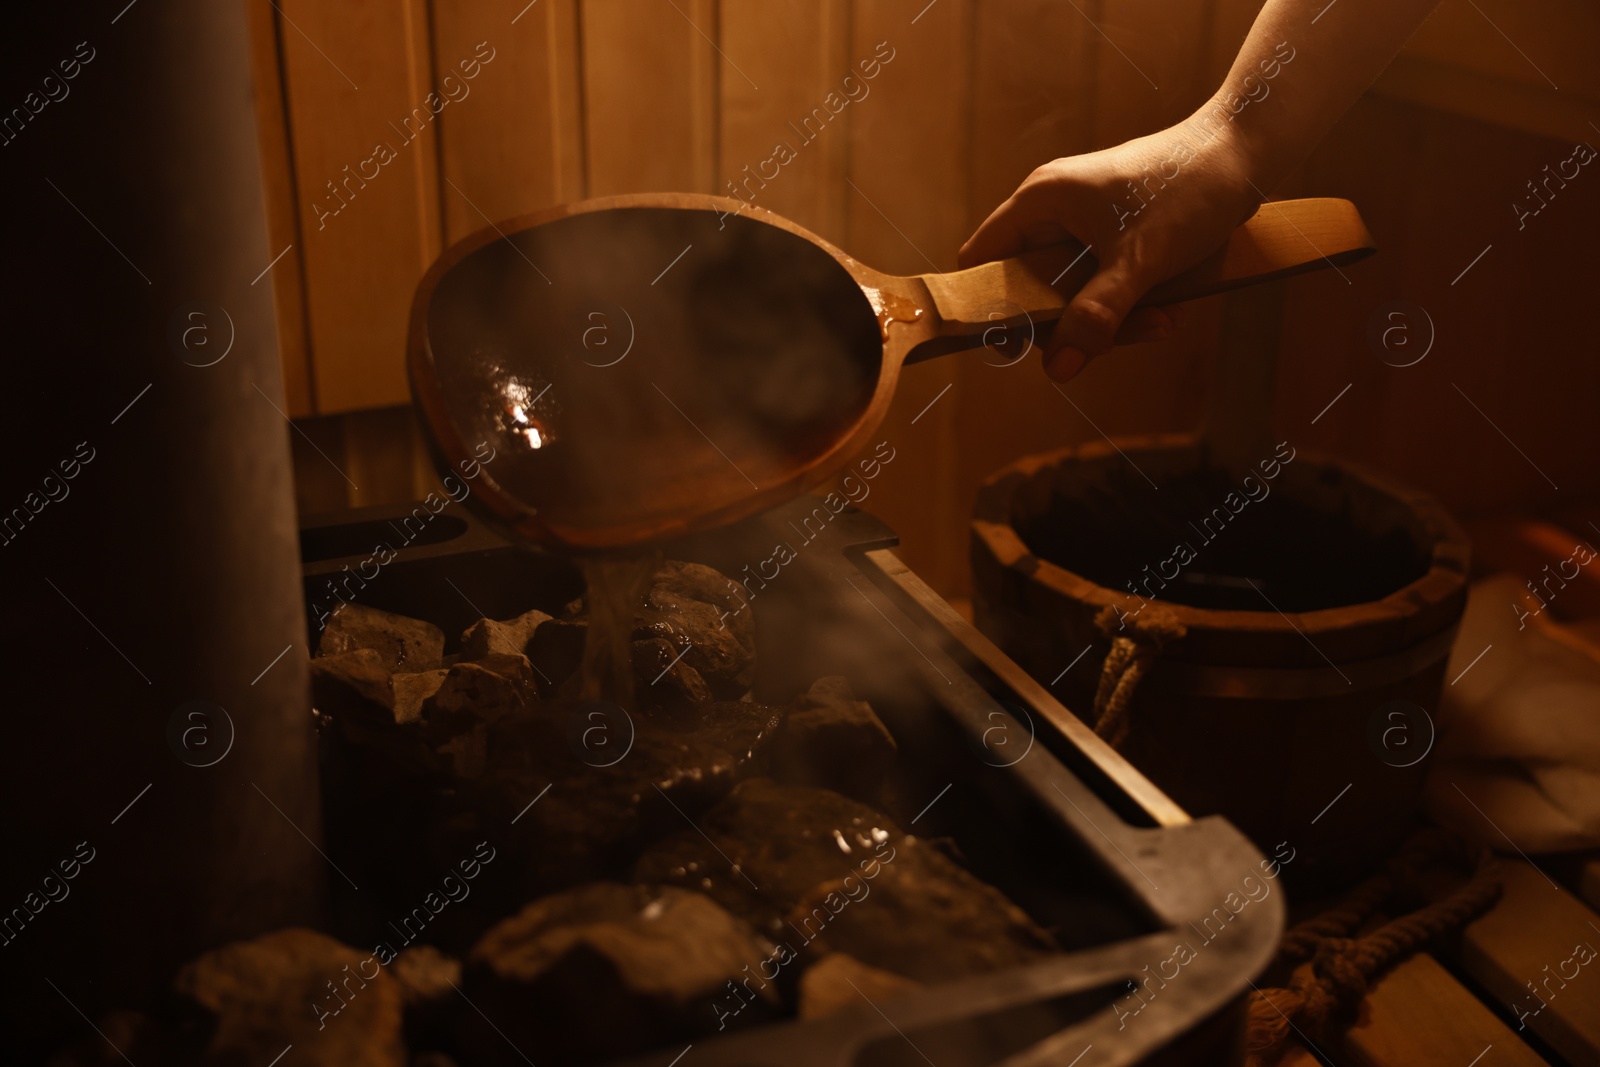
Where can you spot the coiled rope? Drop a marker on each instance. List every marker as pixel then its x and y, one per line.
pixel 1319 1000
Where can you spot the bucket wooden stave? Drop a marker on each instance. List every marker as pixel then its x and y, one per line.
pixel 1259 714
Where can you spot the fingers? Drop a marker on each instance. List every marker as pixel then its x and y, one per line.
pixel 1147 324
pixel 1090 323
pixel 1022 221
pixel 1142 326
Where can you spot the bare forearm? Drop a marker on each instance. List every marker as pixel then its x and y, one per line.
pixel 1158 204
pixel 1302 65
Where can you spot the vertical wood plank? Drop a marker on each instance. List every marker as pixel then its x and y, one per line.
pixel 1230 21
pixel 378 455
pixel 283 224
pixel 1542 45
pixel 566 75
pixel 1039 88
pixel 906 213
pixel 318 452
pixel 1151 72
pixel 1415 422
pixel 513 145
pixel 1033 85
pixel 358 78
pixel 795 50
pixel 1033 93
pixel 649 76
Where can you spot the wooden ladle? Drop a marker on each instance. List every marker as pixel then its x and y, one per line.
pixel 643 366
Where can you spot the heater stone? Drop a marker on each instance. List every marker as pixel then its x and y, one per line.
pixel 333 1003
pixel 354 685
pixel 428 982
pixel 488 637
pixel 661 675
pixel 410 690
pixel 693 606
pixel 834 741
pixel 607 800
pixel 808 867
pixel 779 842
pixel 604 970
pixel 556 650
pixel 924 918
pixel 404 644
pixel 839 981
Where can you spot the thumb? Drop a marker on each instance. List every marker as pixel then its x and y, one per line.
pixel 1089 325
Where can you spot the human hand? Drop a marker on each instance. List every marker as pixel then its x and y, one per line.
pixel 1148 209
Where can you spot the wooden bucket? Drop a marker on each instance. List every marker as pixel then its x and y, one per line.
pixel 1317 603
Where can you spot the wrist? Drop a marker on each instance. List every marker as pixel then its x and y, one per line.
pixel 1241 171
pixel 1262 156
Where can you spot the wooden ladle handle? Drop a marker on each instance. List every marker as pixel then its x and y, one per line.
pixel 1284 237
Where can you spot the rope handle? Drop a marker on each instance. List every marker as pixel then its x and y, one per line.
pixel 1133 650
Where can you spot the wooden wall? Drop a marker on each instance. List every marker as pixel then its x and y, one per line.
pixel 593 97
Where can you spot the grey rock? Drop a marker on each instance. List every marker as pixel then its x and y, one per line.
pixel 779 842
pixel 410 691
pixel 834 741
pixel 556 652
pixel 428 981
pixel 692 604
pixel 295 987
pixel 455 720
pixel 404 644
pixel 353 685
pixel 661 677
pixel 488 637
pixel 774 855
pixel 606 801
pixel 606 970
pixel 839 982
pixel 472 693
pixel 426 975
pixel 514 667
pixel 921 916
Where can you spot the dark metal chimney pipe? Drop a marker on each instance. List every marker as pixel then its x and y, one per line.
pixel 164 570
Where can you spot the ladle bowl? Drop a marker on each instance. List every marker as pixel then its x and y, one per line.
pixel 638 367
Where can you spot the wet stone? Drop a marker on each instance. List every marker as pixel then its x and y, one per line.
pixel 692 604
pixel 333 1003
pixel 607 800
pixel 660 675
pixel 831 740
pixel 768 846
pixel 606 970
pixel 404 644
pixel 824 873
pixel 921 916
